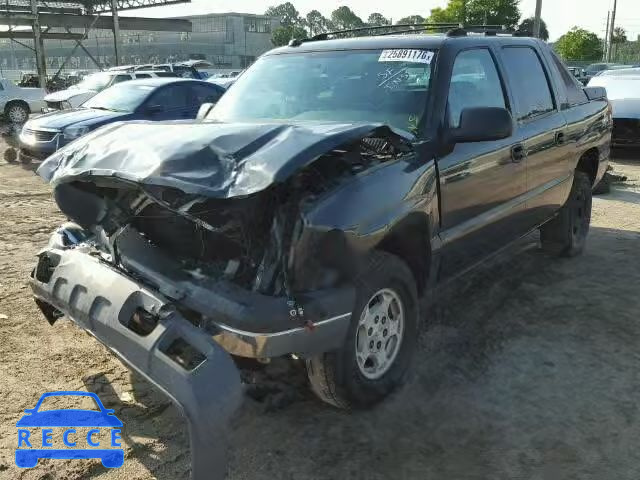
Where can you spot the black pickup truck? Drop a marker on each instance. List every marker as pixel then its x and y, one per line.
pixel 333 186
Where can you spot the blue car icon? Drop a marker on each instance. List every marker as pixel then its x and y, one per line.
pixel 68 418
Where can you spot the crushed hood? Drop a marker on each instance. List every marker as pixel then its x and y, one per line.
pixel 202 158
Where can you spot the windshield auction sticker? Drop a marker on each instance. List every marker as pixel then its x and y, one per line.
pixel 406 55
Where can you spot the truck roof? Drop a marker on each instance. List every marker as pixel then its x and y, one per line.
pixel 419 41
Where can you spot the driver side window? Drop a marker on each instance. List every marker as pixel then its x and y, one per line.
pixel 474 83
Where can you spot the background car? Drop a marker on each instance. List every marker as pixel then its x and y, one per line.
pixel 597 68
pixel 17 102
pixel 149 99
pixel 185 70
pixel 76 95
pixel 224 82
pixel 618 72
pixel 623 92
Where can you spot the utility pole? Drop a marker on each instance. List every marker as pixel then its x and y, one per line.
pixel 116 30
pixel 606 38
pixel 536 20
pixel 38 45
pixel 611 28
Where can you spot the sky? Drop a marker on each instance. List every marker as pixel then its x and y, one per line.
pixel 560 15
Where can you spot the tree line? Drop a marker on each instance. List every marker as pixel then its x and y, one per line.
pixel 577 44
pixel 476 12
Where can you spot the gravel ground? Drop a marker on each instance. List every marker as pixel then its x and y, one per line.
pixel 530 371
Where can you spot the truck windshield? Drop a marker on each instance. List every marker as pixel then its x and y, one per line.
pixel 380 86
pixel 123 97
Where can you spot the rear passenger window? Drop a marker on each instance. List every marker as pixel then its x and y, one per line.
pixel 172 97
pixel 575 93
pixel 530 86
pixel 205 94
pixel 474 83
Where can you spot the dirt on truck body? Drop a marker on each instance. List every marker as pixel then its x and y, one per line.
pixel 313 219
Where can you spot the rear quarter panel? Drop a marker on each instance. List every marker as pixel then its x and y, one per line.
pixel 589 130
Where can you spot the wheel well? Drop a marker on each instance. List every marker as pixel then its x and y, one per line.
pixel 410 241
pixel 14 102
pixel 588 164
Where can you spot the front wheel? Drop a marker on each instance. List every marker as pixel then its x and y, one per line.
pixel 566 235
pixel 377 352
pixel 17 112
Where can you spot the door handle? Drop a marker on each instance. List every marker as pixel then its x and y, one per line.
pixel 559 138
pixel 518 153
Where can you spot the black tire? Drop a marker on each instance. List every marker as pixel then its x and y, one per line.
pixel 16 112
pixel 336 376
pixel 604 185
pixel 24 159
pixel 10 155
pixel 566 234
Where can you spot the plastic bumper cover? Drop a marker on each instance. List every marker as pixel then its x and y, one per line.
pixel 207 391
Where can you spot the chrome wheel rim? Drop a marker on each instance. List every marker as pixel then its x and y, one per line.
pixel 17 114
pixel 379 333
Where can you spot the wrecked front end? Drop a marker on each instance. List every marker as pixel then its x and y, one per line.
pixel 194 242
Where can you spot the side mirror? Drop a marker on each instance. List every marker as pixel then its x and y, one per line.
pixel 204 110
pixel 154 109
pixel 595 93
pixel 481 124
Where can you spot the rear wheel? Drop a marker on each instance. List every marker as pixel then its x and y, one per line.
pixel 566 235
pixel 377 352
pixel 604 185
pixel 17 112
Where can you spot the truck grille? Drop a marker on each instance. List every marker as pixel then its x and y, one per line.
pixel 626 131
pixel 41 135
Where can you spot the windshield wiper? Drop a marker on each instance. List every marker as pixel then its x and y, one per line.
pixel 108 109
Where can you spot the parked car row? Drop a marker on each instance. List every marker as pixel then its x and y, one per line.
pixel 153 98
pixel 92 84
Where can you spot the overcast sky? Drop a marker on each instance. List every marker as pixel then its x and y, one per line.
pixel 560 15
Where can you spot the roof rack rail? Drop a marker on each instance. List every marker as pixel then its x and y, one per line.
pixel 450 29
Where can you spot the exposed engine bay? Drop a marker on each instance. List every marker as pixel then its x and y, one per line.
pixel 246 237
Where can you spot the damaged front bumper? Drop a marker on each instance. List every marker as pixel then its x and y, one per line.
pixel 178 358
pixel 188 362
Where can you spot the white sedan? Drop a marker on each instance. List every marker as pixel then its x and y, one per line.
pixel 17 103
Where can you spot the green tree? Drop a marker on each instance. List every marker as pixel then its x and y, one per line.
pixel 287 13
pixel 619 38
pixel 316 23
pixel 619 35
pixel 377 19
pixel 454 12
pixel 579 44
pixel 343 18
pixel 417 19
pixel 442 15
pixel 478 12
pixel 526 27
pixel 282 35
pixel 492 12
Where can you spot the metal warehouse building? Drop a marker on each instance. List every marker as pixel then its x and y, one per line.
pixel 228 41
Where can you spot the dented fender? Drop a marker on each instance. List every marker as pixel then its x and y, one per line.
pixel 340 229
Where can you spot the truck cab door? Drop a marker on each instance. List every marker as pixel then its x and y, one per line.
pixel 541 130
pixel 482 184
